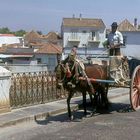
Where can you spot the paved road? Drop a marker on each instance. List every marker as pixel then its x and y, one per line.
pixel 112 125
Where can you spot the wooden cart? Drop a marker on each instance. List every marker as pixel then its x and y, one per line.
pixel 133 84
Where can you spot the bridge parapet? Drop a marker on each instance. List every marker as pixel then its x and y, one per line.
pixel 5 83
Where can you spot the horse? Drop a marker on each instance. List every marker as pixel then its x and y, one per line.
pixel 73 78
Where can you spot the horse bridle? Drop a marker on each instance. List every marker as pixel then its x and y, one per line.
pixel 62 69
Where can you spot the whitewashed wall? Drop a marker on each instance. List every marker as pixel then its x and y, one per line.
pixel 50 60
pixel 132 47
pixel 83 36
pixel 90 48
pixel 20 68
pixel 131 50
pixel 5 83
pixel 9 40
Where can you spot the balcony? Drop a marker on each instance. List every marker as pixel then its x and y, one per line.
pixel 94 39
pixel 74 39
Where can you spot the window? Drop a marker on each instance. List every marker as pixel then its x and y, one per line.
pixel 74 35
pixel 92 35
pixel 38 60
pixel 75 46
pixel 84 32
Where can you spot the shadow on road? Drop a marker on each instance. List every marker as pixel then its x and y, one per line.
pixel 78 114
pixel 121 108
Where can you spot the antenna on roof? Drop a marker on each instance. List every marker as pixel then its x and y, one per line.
pixel 80 16
pixel 73 15
pixel 135 22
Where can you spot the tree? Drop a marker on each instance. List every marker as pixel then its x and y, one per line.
pixel 4 30
pixel 20 32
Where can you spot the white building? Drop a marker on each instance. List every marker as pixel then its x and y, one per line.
pixel 131 36
pixel 31 59
pixel 6 39
pixel 84 33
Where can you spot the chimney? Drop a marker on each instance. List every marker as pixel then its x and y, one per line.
pixel 73 16
pixel 80 16
pixel 135 22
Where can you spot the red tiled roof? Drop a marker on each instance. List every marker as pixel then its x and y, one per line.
pixel 4 48
pixel 36 44
pixel 83 22
pixel 125 25
pixel 32 36
pixel 50 48
pixel 15 45
pixel 22 55
pixel 7 35
pixel 52 36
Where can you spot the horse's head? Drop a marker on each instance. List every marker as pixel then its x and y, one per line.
pixel 60 75
pixel 65 73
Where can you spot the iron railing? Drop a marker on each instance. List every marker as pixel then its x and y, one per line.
pixel 34 88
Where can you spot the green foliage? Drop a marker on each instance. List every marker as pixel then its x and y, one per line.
pixel 6 30
pixel 20 33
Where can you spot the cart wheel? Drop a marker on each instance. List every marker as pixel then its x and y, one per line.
pixel 135 89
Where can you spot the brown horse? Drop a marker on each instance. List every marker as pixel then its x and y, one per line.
pixel 73 78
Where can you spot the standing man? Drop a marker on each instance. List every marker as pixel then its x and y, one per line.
pixel 115 40
pixel 118 65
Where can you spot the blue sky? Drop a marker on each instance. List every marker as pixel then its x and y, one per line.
pixel 47 15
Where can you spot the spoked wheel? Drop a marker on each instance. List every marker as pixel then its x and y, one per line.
pixel 135 89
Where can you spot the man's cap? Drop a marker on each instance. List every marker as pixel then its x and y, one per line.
pixel 114 24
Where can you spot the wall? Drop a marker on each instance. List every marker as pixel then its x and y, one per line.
pixel 50 60
pixel 84 46
pixel 133 38
pixel 132 47
pixel 26 68
pixel 5 83
pixel 9 40
pixel 131 50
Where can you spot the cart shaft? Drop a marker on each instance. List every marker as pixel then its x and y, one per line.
pixel 97 80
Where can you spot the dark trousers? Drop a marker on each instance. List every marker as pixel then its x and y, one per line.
pixel 114 51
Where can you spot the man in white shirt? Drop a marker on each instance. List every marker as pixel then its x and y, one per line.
pixel 115 40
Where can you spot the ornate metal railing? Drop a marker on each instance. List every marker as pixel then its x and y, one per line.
pixel 34 88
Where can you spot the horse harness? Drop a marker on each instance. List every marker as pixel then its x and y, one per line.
pixel 78 71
